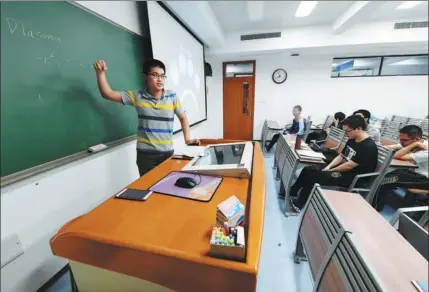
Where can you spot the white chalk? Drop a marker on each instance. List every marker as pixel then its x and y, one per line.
pixel 97 148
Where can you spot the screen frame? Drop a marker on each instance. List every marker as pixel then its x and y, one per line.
pixel 165 7
pixel 222 145
pixel 246 160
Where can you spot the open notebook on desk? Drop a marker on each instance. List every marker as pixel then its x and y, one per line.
pixel 310 154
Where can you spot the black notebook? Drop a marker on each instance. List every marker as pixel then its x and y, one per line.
pixel 136 195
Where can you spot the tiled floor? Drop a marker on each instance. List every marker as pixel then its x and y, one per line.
pixel 277 271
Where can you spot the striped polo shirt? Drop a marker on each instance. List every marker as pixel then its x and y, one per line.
pixel 156 118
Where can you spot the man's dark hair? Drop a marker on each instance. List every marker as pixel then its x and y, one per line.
pixel 412 131
pixel 153 63
pixel 298 107
pixel 355 122
pixel 339 116
pixel 366 114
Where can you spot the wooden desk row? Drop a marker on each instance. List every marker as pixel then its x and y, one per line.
pixel 163 243
pixel 287 161
pixel 350 247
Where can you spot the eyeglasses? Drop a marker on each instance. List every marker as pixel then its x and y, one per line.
pixel 157 76
pixel 349 130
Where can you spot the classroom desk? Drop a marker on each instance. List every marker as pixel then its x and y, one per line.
pixel 290 141
pixel 287 172
pixel 396 163
pixel 343 235
pixel 163 244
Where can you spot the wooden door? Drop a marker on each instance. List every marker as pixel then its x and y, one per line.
pixel 238 107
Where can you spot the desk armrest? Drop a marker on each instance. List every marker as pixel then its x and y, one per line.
pixel 359 176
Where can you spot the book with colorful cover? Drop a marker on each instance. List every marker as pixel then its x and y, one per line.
pixel 231 210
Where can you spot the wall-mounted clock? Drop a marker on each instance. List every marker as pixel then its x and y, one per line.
pixel 279 76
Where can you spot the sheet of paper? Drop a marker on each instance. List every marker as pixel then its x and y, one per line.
pixel 190 151
pixel 310 154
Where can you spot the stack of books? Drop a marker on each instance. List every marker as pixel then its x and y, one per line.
pixel 230 212
pixel 310 155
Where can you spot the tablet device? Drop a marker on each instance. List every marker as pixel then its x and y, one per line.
pixel 136 195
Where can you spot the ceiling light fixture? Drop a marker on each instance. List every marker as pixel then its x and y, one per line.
pixel 408 4
pixel 305 8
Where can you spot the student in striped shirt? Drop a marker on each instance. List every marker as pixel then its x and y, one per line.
pixel 155 108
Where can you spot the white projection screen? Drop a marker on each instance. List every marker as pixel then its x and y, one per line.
pixel 183 56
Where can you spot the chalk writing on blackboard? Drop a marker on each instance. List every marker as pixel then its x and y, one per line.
pixel 53 60
pixel 19 27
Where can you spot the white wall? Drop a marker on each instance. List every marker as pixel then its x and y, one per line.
pixel 34 209
pixel 321 37
pixel 309 84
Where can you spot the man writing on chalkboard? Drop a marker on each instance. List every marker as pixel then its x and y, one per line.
pixel 155 108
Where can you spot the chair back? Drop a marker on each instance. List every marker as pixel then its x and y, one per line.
pixel 307 129
pixel 384 158
pixel 264 130
pixel 424 126
pixel 342 144
pixel 383 122
pixel 414 121
pixel 279 148
pixel 390 134
pixel 414 234
pixel 400 119
pixel 281 157
pixel 289 168
pixel 334 138
pixel 328 122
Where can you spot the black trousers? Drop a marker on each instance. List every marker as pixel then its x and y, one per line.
pixel 147 161
pixel 273 141
pixel 311 175
pixel 404 179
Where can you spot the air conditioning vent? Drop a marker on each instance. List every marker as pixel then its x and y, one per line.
pixel 408 25
pixel 259 36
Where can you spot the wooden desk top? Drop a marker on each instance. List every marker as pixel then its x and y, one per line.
pixel 166 240
pixel 402 163
pixel 304 146
pixel 394 261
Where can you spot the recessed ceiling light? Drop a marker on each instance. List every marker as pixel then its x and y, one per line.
pixel 408 4
pixel 305 8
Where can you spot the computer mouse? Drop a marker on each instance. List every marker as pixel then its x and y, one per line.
pixel 186 182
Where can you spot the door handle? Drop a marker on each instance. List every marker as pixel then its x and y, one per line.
pixel 246 98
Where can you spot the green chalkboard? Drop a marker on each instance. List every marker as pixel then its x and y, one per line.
pixel 50 103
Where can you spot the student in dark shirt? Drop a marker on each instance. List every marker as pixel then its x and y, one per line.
pixel 359 156
pixel 297 128
pixel 319 135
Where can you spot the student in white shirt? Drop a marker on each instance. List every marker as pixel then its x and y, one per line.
pixel 411 148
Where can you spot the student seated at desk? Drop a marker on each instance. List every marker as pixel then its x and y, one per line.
pixel 337 123
pixel 297 128
pixel 358 156
pixel 372 131
pixel 412 148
